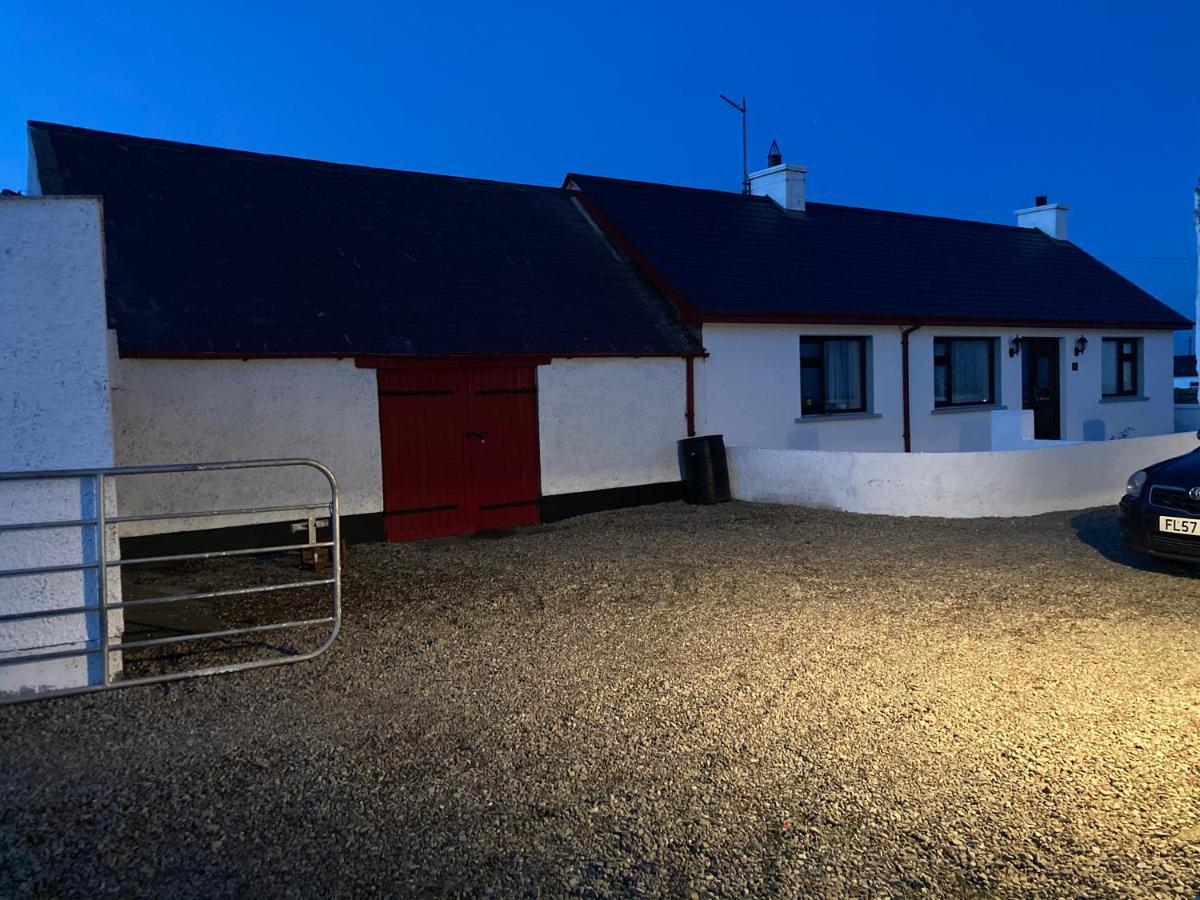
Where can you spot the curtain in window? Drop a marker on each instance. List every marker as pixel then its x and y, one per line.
pixel 811 377
pixel 971 368
pixel 1108 365
pixel 941 373
pixel 843 364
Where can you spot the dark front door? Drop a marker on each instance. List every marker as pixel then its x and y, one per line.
pixel 1040 386
pixel 460 450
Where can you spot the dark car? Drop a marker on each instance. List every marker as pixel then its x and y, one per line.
pixel 1160 512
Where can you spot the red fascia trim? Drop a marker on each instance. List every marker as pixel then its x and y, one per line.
pixel 384 362
pixel 179 354
pixel 490 362
pixel 678 354
pixel 774 318
pixel 449 362
pixel 689 314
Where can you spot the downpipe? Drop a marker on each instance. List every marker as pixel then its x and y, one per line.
pixel 904 333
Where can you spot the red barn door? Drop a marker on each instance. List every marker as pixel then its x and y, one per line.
pixel 460 450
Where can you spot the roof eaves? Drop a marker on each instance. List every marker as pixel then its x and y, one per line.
pixel 841 318
pixel 49 176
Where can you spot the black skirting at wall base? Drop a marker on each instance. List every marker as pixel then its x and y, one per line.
pixel 369 527
pixel 356 529
pixel 563 506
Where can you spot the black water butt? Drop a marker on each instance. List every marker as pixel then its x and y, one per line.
pixel 705 471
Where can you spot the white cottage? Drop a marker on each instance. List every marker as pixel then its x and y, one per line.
pixel 836 328
pixel 463 354
pixel 469 355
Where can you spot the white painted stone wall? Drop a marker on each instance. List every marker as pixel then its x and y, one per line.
pixel 609 423
pixel 182 411
pixel 751 390
pixel 54 414
pixel 604 423
pixel 950 485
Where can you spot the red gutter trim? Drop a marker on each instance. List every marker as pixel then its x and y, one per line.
pixel 766 318
pixel 448 362
pixel 374 361
pixel 689 412
pixel 689 314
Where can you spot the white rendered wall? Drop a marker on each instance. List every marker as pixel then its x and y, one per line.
pixel 54 414
pixel 182 411
pixel 750 390
pixel 950 485
pixel 609 423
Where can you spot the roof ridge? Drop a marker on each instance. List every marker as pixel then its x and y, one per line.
pixel 660 184
pixel 914 215
pixel 818 203
pixel 279 157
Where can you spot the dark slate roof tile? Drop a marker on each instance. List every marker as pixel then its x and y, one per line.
pixel 732 256
pixel 229 252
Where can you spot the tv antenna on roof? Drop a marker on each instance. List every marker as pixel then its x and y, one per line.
pixel 745 171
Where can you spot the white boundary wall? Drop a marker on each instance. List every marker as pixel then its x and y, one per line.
pixel 950 485
pixel 54 414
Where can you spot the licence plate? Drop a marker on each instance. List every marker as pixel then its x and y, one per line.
pixel 1173 525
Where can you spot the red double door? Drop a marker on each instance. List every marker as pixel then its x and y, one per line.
pixel 460 450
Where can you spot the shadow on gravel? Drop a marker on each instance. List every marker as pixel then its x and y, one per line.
pixel 1099 529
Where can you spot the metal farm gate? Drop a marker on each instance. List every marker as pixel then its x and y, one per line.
pixel 98 560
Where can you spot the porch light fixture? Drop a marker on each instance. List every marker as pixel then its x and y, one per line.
pixel 1014 346
pixel 1080 345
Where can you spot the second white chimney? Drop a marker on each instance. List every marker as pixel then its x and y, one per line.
pixel 1049 217
pixel 782 182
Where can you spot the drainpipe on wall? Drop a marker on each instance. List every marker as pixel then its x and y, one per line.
pixel 689 411
pixel 904 333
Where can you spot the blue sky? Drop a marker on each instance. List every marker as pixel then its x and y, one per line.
pixel 957 109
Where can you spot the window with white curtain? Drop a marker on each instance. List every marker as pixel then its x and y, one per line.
pixel 833 375
pixel 1119 358
pixel 964 371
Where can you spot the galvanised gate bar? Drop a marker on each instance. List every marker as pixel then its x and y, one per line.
pixel 102 646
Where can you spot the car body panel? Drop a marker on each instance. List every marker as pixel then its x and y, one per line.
pixel 1165 493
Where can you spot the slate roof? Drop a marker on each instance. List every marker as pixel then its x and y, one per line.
pixel 1185 366
pixel 728 257
pixel 212 251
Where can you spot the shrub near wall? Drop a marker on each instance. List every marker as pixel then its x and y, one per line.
pixel 950 485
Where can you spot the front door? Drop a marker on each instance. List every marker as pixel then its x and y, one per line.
pixel 1040 386
pixel 460 450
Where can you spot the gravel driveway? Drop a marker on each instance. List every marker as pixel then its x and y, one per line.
pixel 735 700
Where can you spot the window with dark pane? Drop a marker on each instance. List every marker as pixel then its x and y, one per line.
pixel 833 375
pixel 1119 365
pixel 964 371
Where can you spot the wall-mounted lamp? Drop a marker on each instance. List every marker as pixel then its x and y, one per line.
pixel 1014 346
pixel 1080 345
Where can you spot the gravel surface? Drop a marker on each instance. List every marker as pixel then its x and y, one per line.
pixel 739 700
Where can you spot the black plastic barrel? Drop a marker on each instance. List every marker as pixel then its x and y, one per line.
pixel 705 471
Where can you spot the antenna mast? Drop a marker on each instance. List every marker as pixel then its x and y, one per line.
pixel 745 170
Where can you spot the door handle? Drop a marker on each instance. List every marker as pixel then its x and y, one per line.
pixel 480 435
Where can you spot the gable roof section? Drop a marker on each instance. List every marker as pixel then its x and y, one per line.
pixel 727 257
pixel 224 252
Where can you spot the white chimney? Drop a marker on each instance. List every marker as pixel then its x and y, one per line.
pixel 782 182
pixel 1049 217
